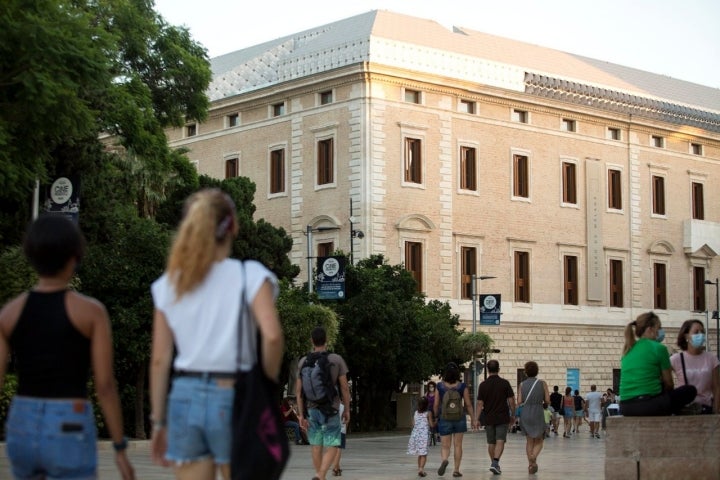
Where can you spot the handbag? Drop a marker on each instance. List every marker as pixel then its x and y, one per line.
pixel 692 408
pixel 260 448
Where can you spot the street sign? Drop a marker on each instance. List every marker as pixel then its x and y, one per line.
pixel 331 278
pixel 490 309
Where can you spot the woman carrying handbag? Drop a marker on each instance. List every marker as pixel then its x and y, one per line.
pixel 198 304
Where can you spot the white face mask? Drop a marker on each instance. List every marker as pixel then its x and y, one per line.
pixel 697 340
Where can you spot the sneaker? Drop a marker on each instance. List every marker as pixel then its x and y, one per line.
pixel 495 468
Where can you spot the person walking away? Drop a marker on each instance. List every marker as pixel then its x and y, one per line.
pixel 547 411
pixel 695 366
pixel 451 402
pixel 56 335
pixel 324 428
pixel 337 470
pixel 197 314
pixel 556 404
pixel 531 395
pixel 568 404
pixel 421 428
pixel 579 403
pixel 431 391
pixel 646 383
pixel 496 399
pixel 593 410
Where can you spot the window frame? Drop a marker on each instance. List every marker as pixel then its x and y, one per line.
pixel 413 146
pixel 324 95
pixel 519 115
pixel 325 249
pixel 696 149
pixel 414 261
pixel 614 133
pixel 191 130
pixel 699 297
pixel 278 109
pixel 571 293
pixel 520 178
pixel 467 106
pixel 569 194
pixel 697 200
pixel 657 141
pixel 616 283
pixel 277 181
pixel 657 197
pixel 325 162
pixel 468 268
pixel 521 276
pixel 659 286
pixel 614 189
pixel 411 95
pixel 232 167
pixel 468 175
pixel 568 125
pixel 232 120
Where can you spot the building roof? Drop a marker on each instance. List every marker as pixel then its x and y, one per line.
pixel 422 45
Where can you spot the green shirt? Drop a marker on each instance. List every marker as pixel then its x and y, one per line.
pixel 641 369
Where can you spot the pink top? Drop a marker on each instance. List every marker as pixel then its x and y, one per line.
pixel 699 370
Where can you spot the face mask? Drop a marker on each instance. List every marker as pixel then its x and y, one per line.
pixel 697 340
pixel 660 335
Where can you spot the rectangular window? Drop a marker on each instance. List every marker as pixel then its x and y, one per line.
pixel 466 106
pixel 277 171
pixel 278 109
pixel 413 160
pixel 657 141
pixel 696 149
pixel 568 125
pixel 658 195
pixel 469 263
pixel 325 249
pixel 698 201
pixel 614 189
pixel 413 262
pixel 412 96
pixel 326 97
pixel 231 168
pixel 569 180
pixel 699 289
pixel 522 277
pixel 660 286
pixel 325 172
pixel 613 133
pixel 468 169
pixel 571 280
pixel 520 116
pixel 616 283
pixel 191 130
pixel 233 120
pixel 521 176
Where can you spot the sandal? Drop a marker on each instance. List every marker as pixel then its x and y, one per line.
pixel 422 474
pixel 337 472
pixel 533 468
pixel 457 474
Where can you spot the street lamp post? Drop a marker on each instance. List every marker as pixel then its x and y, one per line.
pixel 309 231
pixel 716 314
pixel 473 286
pixel 353 234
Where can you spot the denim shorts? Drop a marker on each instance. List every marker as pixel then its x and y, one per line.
pixel 448 427
pixel 51 439
pixel 199 420
pixel 322 430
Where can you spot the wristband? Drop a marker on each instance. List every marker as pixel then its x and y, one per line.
pixel 121 445
pixel 158 425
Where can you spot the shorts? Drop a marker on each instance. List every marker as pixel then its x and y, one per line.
pixel 594 416
pixel 579 413
pixel 568 412
pixel 323 431
pixel 448 427
pixel 51 439
pixel 496 432
pixel 555 415
pixel 199 420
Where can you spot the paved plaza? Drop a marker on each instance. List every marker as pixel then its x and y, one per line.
pixel 383 457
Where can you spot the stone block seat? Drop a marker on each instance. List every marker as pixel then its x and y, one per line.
pixel 660 448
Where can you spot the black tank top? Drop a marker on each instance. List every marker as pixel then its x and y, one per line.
pixel 52 357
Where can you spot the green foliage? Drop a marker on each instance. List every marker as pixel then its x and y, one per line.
pixel 6 394
pixel 17 276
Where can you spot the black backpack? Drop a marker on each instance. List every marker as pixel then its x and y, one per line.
pixel 317 383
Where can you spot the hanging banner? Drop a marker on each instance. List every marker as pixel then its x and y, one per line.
pixel 490 309
pixel 63 197
pixel 331 278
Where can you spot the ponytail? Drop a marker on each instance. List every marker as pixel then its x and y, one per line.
pixel 637 327
pixel 209 222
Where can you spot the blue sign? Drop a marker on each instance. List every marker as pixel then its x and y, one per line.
pixel 490 309
pixel 331 278
pixel 573 378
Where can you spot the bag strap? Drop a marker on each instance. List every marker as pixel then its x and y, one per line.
pixel 245 343
pixel 531 390
pixel 682 359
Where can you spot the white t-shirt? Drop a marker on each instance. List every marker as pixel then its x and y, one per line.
pixel 594 402
pixel 205 321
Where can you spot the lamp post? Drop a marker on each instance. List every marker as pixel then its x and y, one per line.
pixel 716 314
pixel 353 234
pixel 473 286
pixel 309 231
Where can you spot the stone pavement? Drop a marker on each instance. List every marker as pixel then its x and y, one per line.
pixel 383 457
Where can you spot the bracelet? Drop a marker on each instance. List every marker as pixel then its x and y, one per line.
pixel 158 425
pixel 121 445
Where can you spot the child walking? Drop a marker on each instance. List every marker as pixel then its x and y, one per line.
pixel 418 444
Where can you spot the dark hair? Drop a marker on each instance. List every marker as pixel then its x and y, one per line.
pixel 319 337
pixel 422 404
pixel 51 241
pixel 556 388
pixel 577 392
pixel 432 383
pixel 452 373
pixel 684 329
pixel 531 369
pixel 568 390
pixel 493 366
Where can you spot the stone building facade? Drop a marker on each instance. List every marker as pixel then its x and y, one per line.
pixel 588 190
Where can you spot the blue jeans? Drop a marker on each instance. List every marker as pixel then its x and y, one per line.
pixel 199 420
pixel 51 439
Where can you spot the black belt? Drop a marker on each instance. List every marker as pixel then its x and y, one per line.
pixel 639 399
pixel 209 375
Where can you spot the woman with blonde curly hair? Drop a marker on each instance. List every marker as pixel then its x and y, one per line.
pixel 197 308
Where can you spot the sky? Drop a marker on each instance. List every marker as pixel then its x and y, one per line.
pixel 680 39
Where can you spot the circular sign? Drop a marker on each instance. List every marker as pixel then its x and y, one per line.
pixel 490 302
pixel 61 190
pixel 331 267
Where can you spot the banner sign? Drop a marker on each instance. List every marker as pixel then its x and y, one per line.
pixel 63 197
pixel 331 278
pixel 490 309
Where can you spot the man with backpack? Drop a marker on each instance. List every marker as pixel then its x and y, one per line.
pixel 318 400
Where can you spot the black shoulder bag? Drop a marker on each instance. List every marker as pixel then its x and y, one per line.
pixel 260 448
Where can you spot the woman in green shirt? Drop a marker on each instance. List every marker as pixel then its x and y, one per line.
pixel 646 384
